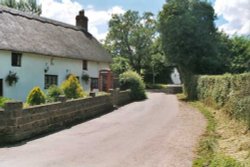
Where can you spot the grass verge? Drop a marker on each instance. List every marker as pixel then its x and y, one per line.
pixel 156 86
pixel 209 151
pixel 208 156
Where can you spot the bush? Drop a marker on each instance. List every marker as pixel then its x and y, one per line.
pixel 133 81
pixel 36 96
pixel 53 93
pixel 72 88
pixel 3 100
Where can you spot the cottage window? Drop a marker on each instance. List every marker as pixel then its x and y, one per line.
pixel 16 59
pixel 50 80
pixel 85 65
pixel 94 83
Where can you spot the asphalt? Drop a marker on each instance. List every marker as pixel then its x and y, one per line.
pixel 157 132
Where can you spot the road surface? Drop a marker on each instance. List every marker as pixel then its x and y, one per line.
pixel 157 132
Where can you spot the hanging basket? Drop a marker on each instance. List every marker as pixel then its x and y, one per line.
pixel 12 78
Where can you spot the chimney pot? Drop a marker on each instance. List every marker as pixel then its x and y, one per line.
pixel 82 20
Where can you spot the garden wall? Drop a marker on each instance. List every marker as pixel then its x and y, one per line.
pixel 228 92
pixel 17 123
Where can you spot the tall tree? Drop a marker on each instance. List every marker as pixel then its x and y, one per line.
pixel 29 6
pixel 240 59
pixel 131 36
pixel 189 37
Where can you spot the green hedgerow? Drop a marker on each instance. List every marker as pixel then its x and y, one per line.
pixel 72 88
pixel 230 93
pixel 53 93
pixel 36 96
pixel 133 81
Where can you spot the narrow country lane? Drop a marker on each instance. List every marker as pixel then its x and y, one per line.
pixel 157 132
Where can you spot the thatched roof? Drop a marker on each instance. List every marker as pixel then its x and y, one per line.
pixel 33 34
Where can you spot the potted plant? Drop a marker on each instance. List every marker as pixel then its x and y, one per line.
pixel 12 78
pixel 85 77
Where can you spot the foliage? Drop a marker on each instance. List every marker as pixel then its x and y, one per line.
pixel 234 52
pixel 157 69
pixel 53 93
pixel 120 65
pixel 191 46
pixel 131 36
pixel 12 78
pixel 229 92
pixel 240 58
pixel 72 88
pixel 133 81
pixel 29 6
pixel 3 100
pixel 36 96
pixel 85 77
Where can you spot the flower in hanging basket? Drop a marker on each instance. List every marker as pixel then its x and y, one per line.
pixel 12 78
pixel 85 77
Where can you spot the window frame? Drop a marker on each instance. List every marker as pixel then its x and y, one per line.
pixel 16 59
pixel 50 79
pixel 84 64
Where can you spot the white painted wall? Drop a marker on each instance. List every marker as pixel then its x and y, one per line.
pixel 31 73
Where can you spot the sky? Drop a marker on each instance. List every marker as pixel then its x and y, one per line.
pixel 233 15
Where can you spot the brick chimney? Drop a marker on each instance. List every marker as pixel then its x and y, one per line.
pixel 82 20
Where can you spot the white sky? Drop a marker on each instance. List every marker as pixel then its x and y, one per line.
pixel 235 15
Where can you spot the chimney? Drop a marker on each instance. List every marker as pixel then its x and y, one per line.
pixel 82 20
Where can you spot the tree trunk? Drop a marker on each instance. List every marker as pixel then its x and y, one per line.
pixel 190 83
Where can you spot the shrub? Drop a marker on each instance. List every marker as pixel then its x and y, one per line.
pixel 133 81
pixel 36 96
pixel 3 100
pixel 72 88
pixel 53 93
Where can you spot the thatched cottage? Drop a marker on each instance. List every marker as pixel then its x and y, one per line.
pixel 36 51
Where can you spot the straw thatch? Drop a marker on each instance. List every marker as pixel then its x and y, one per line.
pixel 33 34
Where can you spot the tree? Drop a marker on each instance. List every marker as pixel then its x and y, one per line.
pixel 240 59
pixel 131 36
pixel 29 6
pixel 234 52
pixel 157 69
pixel 120 65
pixel 189 37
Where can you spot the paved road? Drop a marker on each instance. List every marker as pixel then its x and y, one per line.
pixel 158 132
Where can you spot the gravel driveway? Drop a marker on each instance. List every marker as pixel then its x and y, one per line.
pixel 157 132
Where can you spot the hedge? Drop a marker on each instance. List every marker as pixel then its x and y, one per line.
pixel 228 92
pixel 133 81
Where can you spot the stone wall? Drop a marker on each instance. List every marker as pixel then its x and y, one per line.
pixel 18 124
